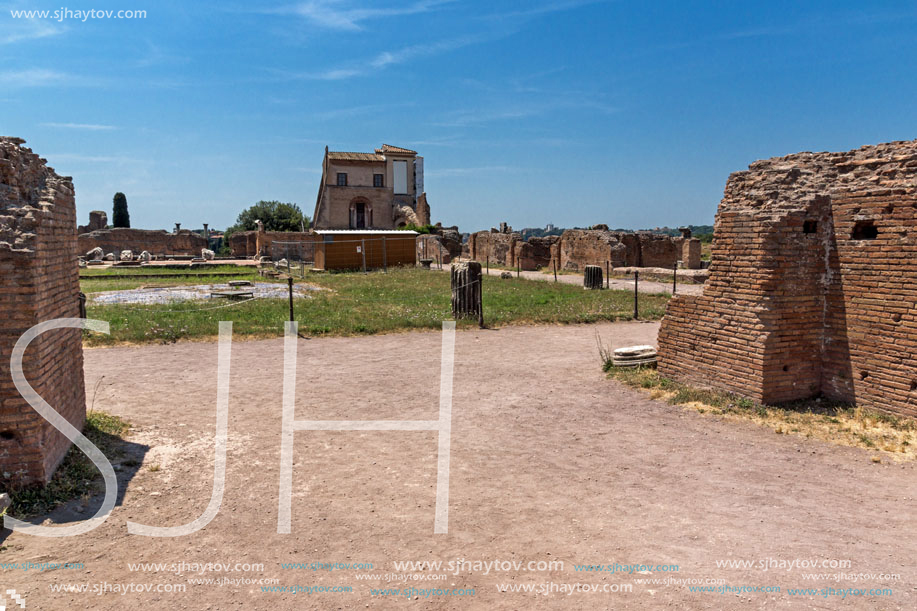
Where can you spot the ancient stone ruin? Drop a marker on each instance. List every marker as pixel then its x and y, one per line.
pixel 157 241
pixel 98 219
pixel 577 248
pixel 812 284
pixel 40 282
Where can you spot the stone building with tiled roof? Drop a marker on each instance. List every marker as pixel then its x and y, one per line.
pixel 380 190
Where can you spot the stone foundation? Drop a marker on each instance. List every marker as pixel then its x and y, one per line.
pixel 40 282
pixel 812 284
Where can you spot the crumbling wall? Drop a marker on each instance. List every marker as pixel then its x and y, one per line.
pixel 495 246
pixel 451 239
pixel 535 253
pixel 811 286
pixel 155 241
pixel 691 253
pixel 98 219
pixel 40 282
pixel 244 243
pixel 655 250
pixel 581 247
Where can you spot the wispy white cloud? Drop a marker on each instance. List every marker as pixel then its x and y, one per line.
pixel 22 29
pixel 404 54
pixel 385 59
pixel 86 126
pixel 487 169
pixel 155 56
pixel 352 111
pixel 467 117
pixel 513 112
pixel 544 9
pixel 344 15
pixel 34 77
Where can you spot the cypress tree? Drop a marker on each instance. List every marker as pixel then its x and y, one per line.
pixel 120 216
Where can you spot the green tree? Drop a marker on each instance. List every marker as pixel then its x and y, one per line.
pixel 120 216
pixel 276 216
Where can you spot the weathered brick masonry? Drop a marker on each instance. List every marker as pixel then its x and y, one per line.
pixel 156 241
pixel 575 249
pixel 813 283
pixel 40 281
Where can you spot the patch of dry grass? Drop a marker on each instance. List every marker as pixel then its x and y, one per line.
pixel 887 436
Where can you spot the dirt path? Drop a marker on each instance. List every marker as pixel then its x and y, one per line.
pixel 550 462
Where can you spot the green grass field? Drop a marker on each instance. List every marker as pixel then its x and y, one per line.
pixel 352 304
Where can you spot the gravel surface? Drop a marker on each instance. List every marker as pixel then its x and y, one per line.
pixel 550 461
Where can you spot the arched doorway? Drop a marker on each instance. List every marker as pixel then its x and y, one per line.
pixel 361 214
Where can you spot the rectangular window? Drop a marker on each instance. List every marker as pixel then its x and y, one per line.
pixel 377 180
pixel 342 179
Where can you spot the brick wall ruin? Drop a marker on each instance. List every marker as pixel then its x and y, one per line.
pixel 535 253
pixel 38 254
pixel 244 243
pixel 581 247
pixel 157 242
pixel 499 247
pixel 812 284
pixel 576 249
pixel 98 219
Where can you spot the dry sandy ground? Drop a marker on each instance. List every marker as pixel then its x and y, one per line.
pixel 550 462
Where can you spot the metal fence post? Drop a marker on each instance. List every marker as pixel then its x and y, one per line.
pixel 290 285
pixel 636 292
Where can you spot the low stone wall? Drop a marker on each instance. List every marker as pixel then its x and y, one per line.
pixel 157 242
pixel 40 282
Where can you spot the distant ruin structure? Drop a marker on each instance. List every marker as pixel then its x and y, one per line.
pixel 812 284
pixel 98 219
pixel 156 241
pixel 40 282
pixel 577 248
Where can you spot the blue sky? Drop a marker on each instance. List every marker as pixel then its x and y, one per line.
pixel 571 112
